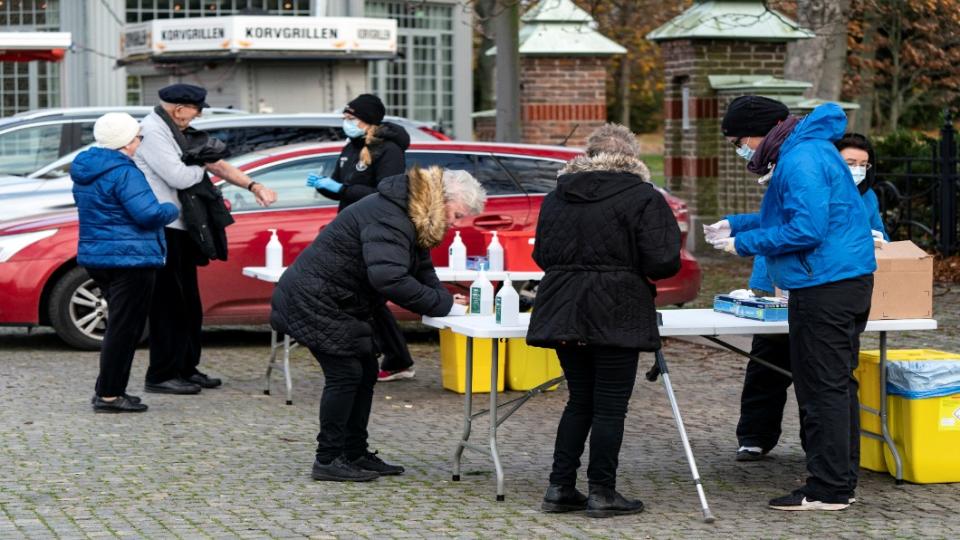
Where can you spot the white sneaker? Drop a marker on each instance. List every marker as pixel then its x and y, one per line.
pixel 387 376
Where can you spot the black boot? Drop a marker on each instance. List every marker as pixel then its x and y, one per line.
pixel 341 470
pixel 606 502
pixel 563 499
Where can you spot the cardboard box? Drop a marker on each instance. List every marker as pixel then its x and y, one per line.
pixel 903 282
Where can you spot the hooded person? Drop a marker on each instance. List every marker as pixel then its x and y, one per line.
pixel 121 245
pixel 814 236
pixel 375 251
pixel 602 236
pixel 374 151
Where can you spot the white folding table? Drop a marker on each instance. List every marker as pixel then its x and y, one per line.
pixel 676 322
pixel 272 275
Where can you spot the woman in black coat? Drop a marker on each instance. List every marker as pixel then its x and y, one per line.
pixel 603 234
pixel 374 251
pixel 374 151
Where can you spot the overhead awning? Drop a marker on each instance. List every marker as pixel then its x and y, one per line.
pixel 30 46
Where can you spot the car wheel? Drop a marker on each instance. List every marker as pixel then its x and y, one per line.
pixel 78 310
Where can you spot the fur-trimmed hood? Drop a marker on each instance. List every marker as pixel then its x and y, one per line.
pixel 420 192
pixel 594 178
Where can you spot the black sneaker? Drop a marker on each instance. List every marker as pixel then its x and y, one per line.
pixel 606 502
pixel 133 399
pixel 204 380
pixel 798 500
pixel 371 462
pixel 750 453
pixel 172 386
pixel 563 499
pixel 341 470
pixel 119 405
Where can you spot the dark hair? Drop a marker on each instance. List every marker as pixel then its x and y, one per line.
pixel 861 142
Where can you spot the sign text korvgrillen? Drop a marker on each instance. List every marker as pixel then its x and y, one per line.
pixel 261 32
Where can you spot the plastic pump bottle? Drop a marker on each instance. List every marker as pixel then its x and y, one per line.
pixel 274 251
pixel 458 253
pixel 495 254
pixel 508 305
pixel 481 295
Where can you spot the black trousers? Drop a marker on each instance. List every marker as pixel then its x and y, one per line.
pixel 345 405
pixel 390 341
pixel 176 316
pixel 825 326
pixel 764 393
pixel 128 292
pixel 600 381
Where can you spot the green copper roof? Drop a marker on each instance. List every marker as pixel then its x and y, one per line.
pixel 560 28
pixel 757 84
pixel 743 20
pixel 802 104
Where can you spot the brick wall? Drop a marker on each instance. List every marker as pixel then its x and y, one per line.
pixel 562 95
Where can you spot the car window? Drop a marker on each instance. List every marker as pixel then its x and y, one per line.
pixel 289 181
pixel 241 140
pixel 447 160
pixel 534 175
pixel 494 177
pixel 86 133
pixel 23 151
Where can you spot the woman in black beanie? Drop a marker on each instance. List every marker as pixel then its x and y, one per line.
pixel 374 151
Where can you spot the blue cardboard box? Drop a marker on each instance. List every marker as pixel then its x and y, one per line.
pixel 725 304
pixel 762 309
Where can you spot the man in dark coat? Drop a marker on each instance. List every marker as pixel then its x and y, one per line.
pixel 603 234
pixel 374 151
pixel 374 251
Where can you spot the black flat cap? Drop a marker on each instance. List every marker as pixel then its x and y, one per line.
pixel 185 94
pixel 752 116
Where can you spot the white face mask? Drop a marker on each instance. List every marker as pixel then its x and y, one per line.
pixel 745 152
pixel 859 173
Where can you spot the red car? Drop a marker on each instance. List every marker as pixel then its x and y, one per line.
pixel 41 284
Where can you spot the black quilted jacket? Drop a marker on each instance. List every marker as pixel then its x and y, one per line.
pixel 372 252
pixel 602 235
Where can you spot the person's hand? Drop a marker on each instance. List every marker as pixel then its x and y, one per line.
pixel 717 231
pixel 460 299
pixel 324 182
pixel 878 236
pixel 264 195
pixel 727 245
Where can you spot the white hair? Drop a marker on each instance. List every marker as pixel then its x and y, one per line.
pixel 460 186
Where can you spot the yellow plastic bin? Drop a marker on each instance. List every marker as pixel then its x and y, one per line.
pixel 925 430
pixel 453 362
pixel 529 367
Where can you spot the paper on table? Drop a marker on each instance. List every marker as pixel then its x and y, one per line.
pixel 457 310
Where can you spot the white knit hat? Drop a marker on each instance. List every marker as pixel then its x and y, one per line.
pixel 115 130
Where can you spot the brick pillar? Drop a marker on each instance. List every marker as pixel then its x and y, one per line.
pixel 562 95
pixel 696 157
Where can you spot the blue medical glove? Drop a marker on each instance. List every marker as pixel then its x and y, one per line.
pixel 324 182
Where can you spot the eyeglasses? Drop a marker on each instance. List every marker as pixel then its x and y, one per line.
pixel 866 166
pixel 139 137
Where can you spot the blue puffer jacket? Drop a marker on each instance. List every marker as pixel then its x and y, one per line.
pixel 813 227
pixel 760 279
pixel 121 221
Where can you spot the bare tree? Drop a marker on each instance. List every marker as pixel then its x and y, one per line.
pixel 822 59
pixel 507 38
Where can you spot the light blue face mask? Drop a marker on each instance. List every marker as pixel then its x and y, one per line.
pixel 352 130
pixel 858 173
pixel 745 152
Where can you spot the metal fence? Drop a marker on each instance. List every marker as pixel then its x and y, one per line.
pixel 918 195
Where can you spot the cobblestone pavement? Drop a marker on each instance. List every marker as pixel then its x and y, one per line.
pixel 235 463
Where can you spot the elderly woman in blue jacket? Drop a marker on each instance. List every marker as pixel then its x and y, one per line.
pixel 121 245
pixel 765 390
pixel 814 235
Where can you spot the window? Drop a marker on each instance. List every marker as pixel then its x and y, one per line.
pixel 464 162
pixel 289 180
pixel 495 178
pixel 249 139
pixel 134 90
pixel 23 151
pixel 37 14
pixel 147 10
pixel 534 175
pixel 483 167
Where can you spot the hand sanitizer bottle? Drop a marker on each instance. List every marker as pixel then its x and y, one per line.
pixel 495 254
pixel 458 253
pixel 274 251
pixel 508 305
pixel 481 295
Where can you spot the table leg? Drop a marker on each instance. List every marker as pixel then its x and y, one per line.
pixel 286 368
pixel 467 412
pixel 884 429
pixel 494 366
pixel 273 358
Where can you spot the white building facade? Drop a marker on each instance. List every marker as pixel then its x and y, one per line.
pixel 427 77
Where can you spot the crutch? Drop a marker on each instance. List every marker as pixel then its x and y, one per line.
pixel 660 368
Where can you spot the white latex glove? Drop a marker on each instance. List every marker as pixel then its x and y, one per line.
pixel 742 293
pixel 878 235
pixel 727 245
pixel 717 231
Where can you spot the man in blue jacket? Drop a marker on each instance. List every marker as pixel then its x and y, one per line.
pixel 813 232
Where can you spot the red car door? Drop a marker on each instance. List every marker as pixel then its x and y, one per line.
pixel 300 212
